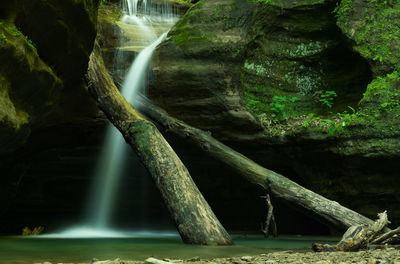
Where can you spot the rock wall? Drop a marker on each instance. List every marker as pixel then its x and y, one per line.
pixel 44 52
pixel 198 69
pixel 307 88
pixel 254 73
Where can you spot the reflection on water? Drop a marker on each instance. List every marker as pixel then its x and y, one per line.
pixel 24 250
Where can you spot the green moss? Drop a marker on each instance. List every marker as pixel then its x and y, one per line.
pixel 371 26
pixel 383 95
pixel 3 37
pixel 184 33
pixel 102 2
pixel 187 37
pixel 342 11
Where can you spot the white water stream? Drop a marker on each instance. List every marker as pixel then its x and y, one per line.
pixel 149 19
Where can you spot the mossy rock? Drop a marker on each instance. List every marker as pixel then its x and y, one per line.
pixel 290 54
pixel 204 51
pixel 29 88
pixel 45 46
pixel 300 54
pixel 374 28
pixel 63 32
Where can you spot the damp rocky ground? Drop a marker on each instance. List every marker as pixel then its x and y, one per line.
pixel 377 256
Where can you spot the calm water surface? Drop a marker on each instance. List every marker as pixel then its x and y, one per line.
pixel 24 250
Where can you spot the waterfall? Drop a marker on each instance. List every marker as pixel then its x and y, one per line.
pixel 144 18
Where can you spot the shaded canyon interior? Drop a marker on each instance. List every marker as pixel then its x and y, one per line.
pixel 253 73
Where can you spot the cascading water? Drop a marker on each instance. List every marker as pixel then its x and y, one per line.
pixel 153 22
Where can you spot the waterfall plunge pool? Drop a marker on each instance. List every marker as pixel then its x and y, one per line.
pixel 23 250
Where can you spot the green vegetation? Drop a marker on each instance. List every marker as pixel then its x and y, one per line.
pixel 342 10
pixel 30 43
pixel 262 1
pixel 102 2
pixel 376 117
pixel 377 37
pixel 184 32
pixel 3 37
pixel 383 92
pixel 280 107
pixel 327 97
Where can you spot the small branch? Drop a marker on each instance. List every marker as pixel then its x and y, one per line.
pixel 394 239
pixel 270 224
pixel 386 236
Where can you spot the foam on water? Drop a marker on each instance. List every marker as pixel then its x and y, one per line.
pixel 90 232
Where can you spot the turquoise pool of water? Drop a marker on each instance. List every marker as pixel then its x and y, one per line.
pixel 22 250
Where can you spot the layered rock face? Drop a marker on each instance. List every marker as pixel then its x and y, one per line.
pixel 198 69
pixel 307 88
pixel 44 52
pixel 44 48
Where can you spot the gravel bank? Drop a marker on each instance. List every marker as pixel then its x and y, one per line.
pixel 378 256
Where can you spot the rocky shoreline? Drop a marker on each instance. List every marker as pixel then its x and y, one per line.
pixel 377 256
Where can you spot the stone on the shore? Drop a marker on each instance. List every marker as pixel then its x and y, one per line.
pixel 156 261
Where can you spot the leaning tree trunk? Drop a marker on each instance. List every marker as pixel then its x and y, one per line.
pixel 281 187
pixel 194 219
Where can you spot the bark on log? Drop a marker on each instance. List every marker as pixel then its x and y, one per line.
pixel 279 186
pixel 194 219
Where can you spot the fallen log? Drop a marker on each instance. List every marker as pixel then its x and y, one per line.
pixel 356 237
pixel 194 219
pixel 279 186
pixel 359 237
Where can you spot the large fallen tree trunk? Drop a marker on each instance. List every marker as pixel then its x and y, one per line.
pixel 193 217
pixel 281 187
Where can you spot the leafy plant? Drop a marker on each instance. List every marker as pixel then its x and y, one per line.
pixel 30 43
pixel 102 2
pixel 280 106
pixel 352 109
pixel 16 33
pixel 327 98
pixel 3 37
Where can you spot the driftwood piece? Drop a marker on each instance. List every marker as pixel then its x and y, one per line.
pixel 330 212
pixel 393 240
pixel 193 217
pixel 357 237
pixel 385 238
pixel 270 223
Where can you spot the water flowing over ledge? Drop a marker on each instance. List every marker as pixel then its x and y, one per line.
pixel 151 22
